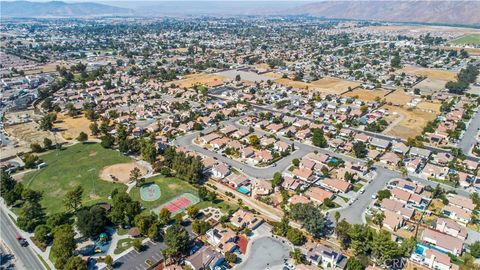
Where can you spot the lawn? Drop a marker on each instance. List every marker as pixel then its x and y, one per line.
pixel 471 39
pixel 170 187
pixel 124 244
pixel 220 204
pixel 79 164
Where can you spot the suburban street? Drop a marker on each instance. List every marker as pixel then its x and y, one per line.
pixel 26 258
pixel 468 138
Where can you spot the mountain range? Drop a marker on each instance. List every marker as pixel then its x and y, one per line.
pixel 58 9
pixel 419 11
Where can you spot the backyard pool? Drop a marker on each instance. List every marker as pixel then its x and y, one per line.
pixel 243 190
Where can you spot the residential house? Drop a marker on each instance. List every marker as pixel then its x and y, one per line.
pixel 325 257
pixel 245 219
pixel 451 227
pixel 336 185
pixel 318 195
pixel 220 170
pixel 222 238
pixel 393 220
pixel 205 258
pixel 444 242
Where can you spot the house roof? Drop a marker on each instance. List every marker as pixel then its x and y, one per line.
pixel 461 201
pixel 318 194
pixel 336 184
pixel 443 240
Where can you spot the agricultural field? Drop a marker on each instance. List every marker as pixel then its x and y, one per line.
pixel 411 121
pixel 79 164
pixel 470 39
pixel 70 127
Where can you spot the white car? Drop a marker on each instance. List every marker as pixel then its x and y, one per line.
pixel 362 190
pixel 374 196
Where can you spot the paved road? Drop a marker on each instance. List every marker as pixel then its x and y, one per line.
pixel 26 258
pixel 469 136
pixel 265 253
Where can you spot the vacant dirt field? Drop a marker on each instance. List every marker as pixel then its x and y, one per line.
pixel 70 127
pixel 367 95
pixel 325 85
pixel 429 86
pixel 430 73
pixel 120 172
pixel 416 29
pixel 412 122
pixel 193 79
pixel 433 107
pixel 335 84
pixel 399 97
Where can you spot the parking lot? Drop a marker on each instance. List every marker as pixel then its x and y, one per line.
pixel 137 260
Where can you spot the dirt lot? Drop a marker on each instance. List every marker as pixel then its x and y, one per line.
pixel 193 79
pixel 429 86
pixel 325 85
pixel 120 172
pixel 70 127
pixel 430 73
pixel 22 135
pixel 412 122
pixel 433 107
pixel 367 95
pixel 399 97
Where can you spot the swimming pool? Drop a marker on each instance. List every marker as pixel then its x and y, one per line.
pixel 243 190
pixel 419 250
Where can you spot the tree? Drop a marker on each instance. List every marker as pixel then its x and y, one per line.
pixel 354 264
pixel 36 148
pixel 337 216
pixel 164 216
pixel 383 247
pixel 318 138
pixel 46 123
pixel 82 137
pixel 238 78
pixel 295 162
pixel 73 198
pixel 47 143
pixel 107 141
pixel 90 222
pixel 153 232
pixel 230 257
pixel 148 151
pixel 108 260
pixel 177 240
pixel 63 244
pixel 94 128
pixel 253 140
pixel 75 263
pixel 42 234
pixel 30 160
pixel 144 222
pixel 295 236
pixel 475 249
pixel 200 227
pixel 383 194
pixel 313 219
pixel 360 149
pixel 31 215
pixel 135 176
pixel 137 245
pixel 297 256
pixel 124 209
pixel 378 219
pixel 192 211
pixel 277 179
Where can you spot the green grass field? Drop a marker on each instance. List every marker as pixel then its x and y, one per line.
pixel 76 165
pixel 471 39
pixel 170 188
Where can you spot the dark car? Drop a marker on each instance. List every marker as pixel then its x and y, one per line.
pixel 22 241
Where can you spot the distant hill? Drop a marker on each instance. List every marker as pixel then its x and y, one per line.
pixel 425 11
pixel 58 9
